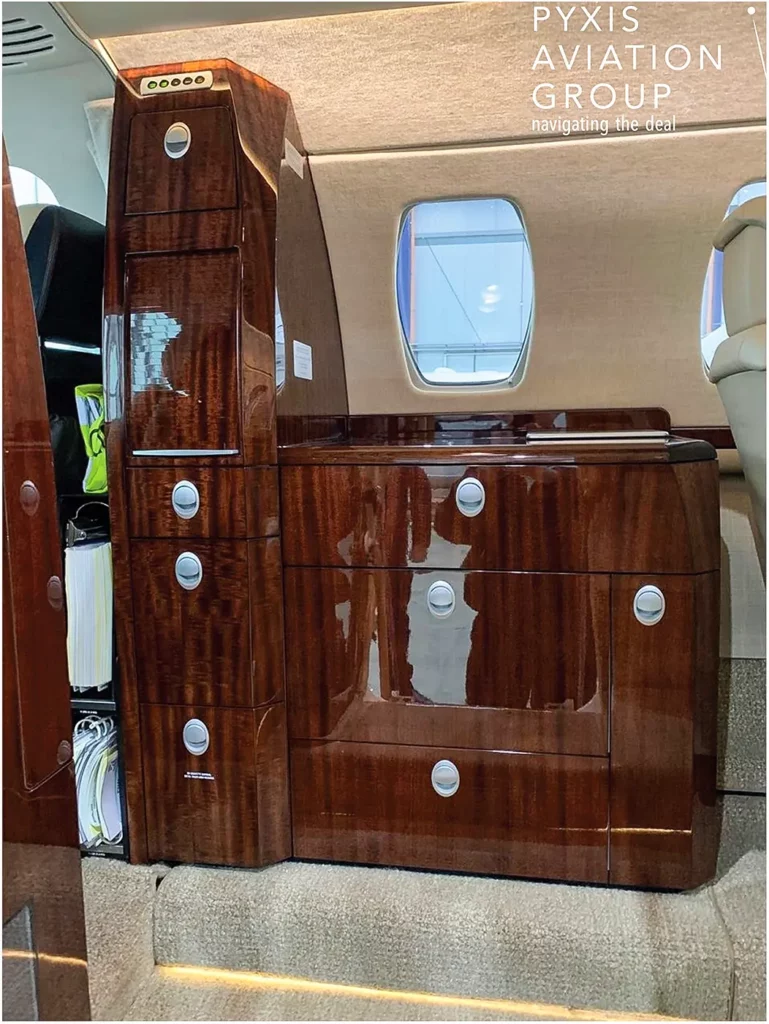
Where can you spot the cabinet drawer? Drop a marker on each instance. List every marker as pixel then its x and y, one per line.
pixel 534 518
pixel 515 814
pixel 203 179
pixel 226 805
pixel 218 644
pixel 231 502
pixel 514 661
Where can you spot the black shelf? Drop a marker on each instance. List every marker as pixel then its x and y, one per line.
pixel 93 704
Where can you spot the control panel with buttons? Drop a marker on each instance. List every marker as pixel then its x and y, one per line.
pixel 176 83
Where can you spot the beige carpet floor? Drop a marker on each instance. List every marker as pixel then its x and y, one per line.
pixel 699 955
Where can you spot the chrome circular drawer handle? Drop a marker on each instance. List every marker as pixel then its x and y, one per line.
pixel 189 570
pixel 441 599
pixel 195 736
pixel 445 778
pixel 649 605
pixel 177 140
pixel 470 496
pixel 185 499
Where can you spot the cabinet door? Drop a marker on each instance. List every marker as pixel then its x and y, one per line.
pixel 514 661
pixel 225 805
pixel 182 313
pixel 220 643
pixel 203 179
pixel 664 811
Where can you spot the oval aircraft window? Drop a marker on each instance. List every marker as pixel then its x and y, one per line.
pixel 712 326
pixel 465 290
pixel 28 188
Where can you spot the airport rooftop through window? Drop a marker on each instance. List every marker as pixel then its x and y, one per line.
pixel 465 290
pixel 712 326
pixel 28 188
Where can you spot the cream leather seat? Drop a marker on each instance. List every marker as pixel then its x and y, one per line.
pixel 739 363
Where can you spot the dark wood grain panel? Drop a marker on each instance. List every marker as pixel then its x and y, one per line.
pixel 307 409
pixel 220 644
pixel 514 814
pixel 663 699
pixel 234 503
pixel 183 358
pixel 522 662
pixel 226 806
pixel 203 179
pixel 536 518
pixel 38 787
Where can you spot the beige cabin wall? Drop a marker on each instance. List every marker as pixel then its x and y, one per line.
pixel 620 232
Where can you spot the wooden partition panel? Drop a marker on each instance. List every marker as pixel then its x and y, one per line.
pixel 190 355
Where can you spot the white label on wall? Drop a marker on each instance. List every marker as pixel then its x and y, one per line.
pixel 200 775
pixel 294 159
pixel 302 360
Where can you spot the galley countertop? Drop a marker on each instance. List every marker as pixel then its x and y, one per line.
pixel 503 448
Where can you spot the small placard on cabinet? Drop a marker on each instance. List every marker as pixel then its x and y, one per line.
pixel 302 360
pixel 294 159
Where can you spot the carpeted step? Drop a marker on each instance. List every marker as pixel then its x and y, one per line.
pixel 574 945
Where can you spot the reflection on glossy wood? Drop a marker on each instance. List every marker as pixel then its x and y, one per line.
pixel 219 644
pixel 391 428
pixel 514 814
pixel 234 503
pixel 536 518
pixel 663 734
pixel 183 391
pixel 47 879
pixel 228 805
pixel 522 663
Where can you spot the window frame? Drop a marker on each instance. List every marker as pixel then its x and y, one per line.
pixel 518 372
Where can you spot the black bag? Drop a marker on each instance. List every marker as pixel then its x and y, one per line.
pixel 69 457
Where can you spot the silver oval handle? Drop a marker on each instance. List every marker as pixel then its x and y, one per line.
pixel 189 570
pixel 185 499
pixel 470 496
pixel 445 778
pixel 441 599
pixel 195 736
pixel 177 140
pixel 649 605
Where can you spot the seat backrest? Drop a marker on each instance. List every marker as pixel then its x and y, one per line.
pixel 739 362
pixel 65 257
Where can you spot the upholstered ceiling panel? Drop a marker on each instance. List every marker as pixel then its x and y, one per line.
pixel 620 231
pixel 464 72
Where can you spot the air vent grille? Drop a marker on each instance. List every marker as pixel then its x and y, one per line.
pixel 23 41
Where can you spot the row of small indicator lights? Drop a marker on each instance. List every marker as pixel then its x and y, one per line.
pixel 198 80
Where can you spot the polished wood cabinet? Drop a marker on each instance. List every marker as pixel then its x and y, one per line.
pixel 476 643
pixel 196 209
pixel 542 615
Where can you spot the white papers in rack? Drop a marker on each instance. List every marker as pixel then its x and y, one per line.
pixel 88 584
pixel 96 776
